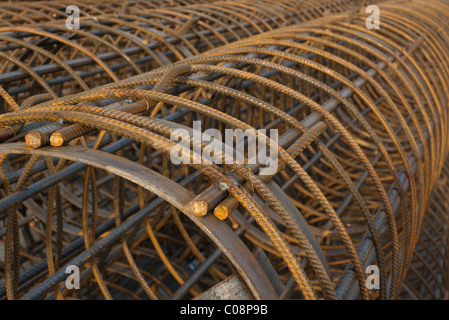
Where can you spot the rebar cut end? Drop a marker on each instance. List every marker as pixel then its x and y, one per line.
pixel 33 140
pixel 56 139
pixel 221 212
pixel 198 208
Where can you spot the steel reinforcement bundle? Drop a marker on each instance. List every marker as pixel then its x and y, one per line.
pixel 361 123
pixel 50 58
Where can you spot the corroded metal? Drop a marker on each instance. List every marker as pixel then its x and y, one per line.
pixel 49 58
pixel 362 122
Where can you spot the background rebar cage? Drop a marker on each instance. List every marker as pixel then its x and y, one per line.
pixel 87 178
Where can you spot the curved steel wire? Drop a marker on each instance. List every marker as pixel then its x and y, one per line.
pixel 361 117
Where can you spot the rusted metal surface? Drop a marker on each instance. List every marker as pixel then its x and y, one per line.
pixel 427 277
pixel 49 58
pixel 42 11
pixel 362 123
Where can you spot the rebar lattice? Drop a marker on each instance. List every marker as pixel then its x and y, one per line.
pixel 362 122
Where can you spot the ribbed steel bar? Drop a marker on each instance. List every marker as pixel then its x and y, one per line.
pixel 361 118
pixel 27 12
pixel 115 46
